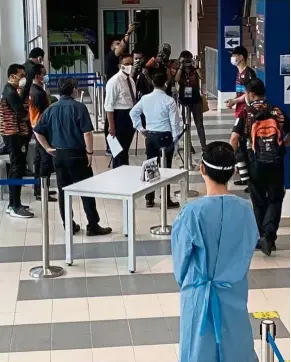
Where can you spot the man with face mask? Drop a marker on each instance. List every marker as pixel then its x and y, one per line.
pixel 65 131
pixel 118 47
pixel 239 59
pixel 38 103
pixel 36 56
pixel 14 128
pixel 119 100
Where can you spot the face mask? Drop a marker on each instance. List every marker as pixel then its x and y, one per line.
pixel 127 69
pixel 234 61
pixel 46 79
pixel 22 83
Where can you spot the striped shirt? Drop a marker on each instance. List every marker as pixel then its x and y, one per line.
pixel 13 114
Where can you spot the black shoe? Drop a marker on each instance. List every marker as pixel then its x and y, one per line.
pixel 266 245
pixel 150 204
pixel 241 183
pixel 108 152
pixel 28 173
pixel 76 228
pixel 52 193
pixel 50 198
pixel 274 247
pixel 98 231
pixel 173 205
pixel 246 191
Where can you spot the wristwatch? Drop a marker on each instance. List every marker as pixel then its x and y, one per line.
pixel 89 153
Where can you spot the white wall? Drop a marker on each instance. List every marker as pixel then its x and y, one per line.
pixel 172 21
pixel 12 49
pixel 191 28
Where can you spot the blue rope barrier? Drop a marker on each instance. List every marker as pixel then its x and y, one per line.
pixel 52 75
pixel 275 348
pixel 98 85
pixel 19 182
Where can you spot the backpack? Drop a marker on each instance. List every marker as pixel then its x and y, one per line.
pixel 266 138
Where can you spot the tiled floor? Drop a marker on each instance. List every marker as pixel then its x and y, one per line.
pixel 97 311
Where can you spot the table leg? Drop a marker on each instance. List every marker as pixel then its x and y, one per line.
pixel 125 217
pixel 183 199
pixel 69 228
pixel 131 236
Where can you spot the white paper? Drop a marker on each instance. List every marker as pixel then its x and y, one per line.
pixel 114 145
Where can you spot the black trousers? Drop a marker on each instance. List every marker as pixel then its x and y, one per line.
pixel 154 142
pixel 43 165
pixel 267 192
pixel 72 166
pixel 106 131
pixel 16 147
pixel 197 112
pixel 124 132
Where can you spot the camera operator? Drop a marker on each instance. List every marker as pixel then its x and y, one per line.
pixel 266 129
pixel 144 84
pixel 188 76
pixel 161 64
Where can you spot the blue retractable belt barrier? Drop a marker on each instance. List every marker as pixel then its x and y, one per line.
pixel 275 348
pixel 60 75
pixel 19 182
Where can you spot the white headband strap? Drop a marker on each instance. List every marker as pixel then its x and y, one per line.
pixel 217 167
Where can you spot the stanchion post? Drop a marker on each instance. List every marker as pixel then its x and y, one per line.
pixel 45 271
pixel 98 96
pixel 267 326
pixel 188 122
pixel 187 150
pixel 164 228
pixel 82 97
pixel 95 105
pixel 102 99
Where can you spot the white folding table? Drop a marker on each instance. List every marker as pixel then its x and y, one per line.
pixel 124 184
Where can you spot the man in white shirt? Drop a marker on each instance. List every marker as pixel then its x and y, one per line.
pixel 162 126
pixel 119 100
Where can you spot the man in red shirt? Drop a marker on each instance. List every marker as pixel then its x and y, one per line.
pixel 245 73
pixel 239 59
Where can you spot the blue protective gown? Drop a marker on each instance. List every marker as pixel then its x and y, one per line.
pixel 213 240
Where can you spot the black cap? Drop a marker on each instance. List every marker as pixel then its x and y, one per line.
pixel 240 50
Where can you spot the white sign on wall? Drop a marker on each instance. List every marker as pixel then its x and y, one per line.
pixel 286 90
pixel 231 43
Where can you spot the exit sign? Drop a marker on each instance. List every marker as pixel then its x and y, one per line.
pixel 135 2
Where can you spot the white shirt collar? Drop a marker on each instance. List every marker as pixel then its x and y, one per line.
pixel 159 90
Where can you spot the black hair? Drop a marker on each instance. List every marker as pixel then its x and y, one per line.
pixel 256 86
pixel 186 54
pixel 36 52
pixel 14 68
pixel 160 79
pixel 67 85
pixel 36 70
pixel 137 51
pixel 220 154
pixel 125 55
pixel 240 50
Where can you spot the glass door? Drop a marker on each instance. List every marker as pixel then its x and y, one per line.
pixel 115 25
pixel 147 33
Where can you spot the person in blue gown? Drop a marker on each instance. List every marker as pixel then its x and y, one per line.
pixel 213 240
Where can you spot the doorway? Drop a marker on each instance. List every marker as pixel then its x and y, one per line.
pixel 147 34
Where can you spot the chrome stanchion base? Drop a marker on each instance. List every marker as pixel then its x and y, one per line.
pixel 190 194
pixel 45 273
pixel 161 230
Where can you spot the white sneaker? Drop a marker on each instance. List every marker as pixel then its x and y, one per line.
pixel 10 208
pixel 21 213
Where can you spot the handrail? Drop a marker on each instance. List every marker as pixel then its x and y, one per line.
pixel 200 10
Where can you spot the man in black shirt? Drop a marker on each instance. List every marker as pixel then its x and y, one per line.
pixel 265 159
pixel 112 67
pixel 65 130
pixel 38 103
pixel 36 56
